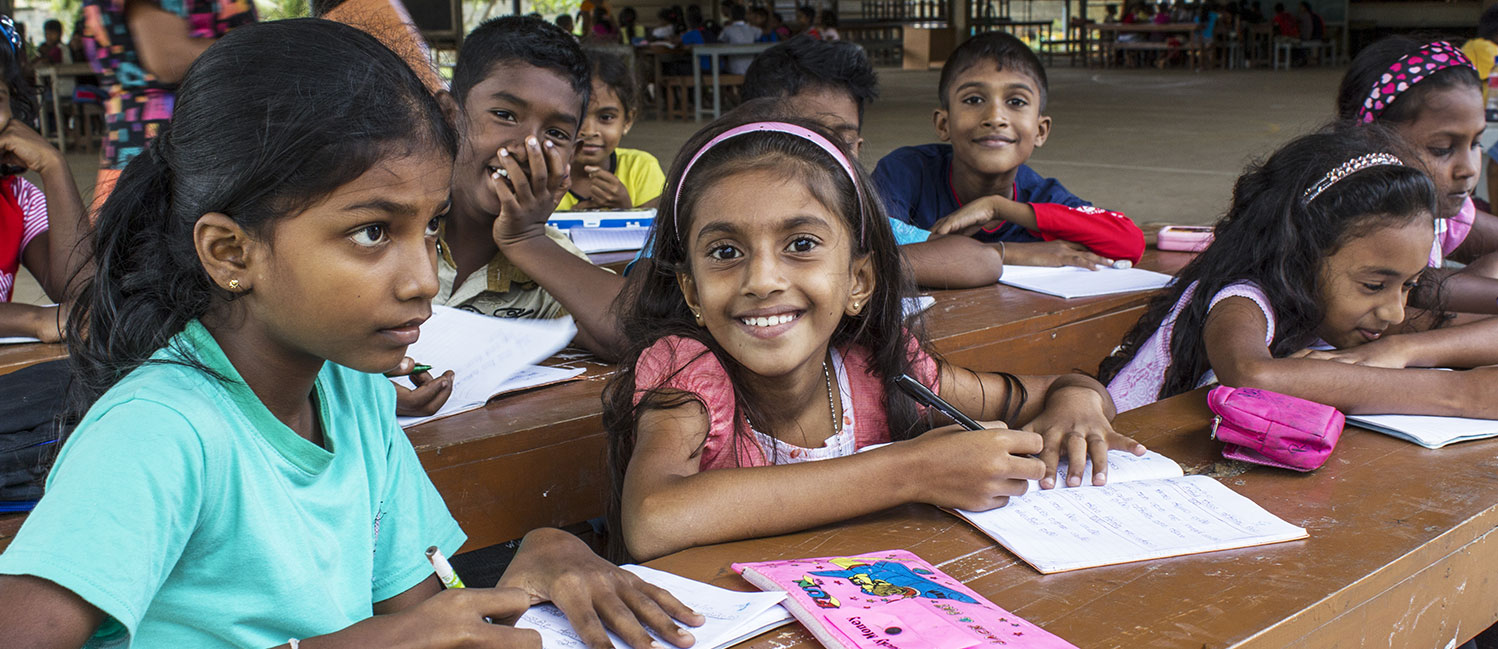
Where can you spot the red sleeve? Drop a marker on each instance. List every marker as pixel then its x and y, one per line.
pixel 1110 234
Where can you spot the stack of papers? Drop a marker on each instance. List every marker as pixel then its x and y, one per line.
pixel 1428 431
pixel 592 240
pixel 1070 281
pixel 732 616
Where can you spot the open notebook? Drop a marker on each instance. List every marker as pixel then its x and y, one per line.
pixel 1428 431
pixel 1148 510
pixel 488 356
pixel 732 616
pixel 1070 281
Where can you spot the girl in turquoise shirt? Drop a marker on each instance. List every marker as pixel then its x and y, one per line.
pixel 238 478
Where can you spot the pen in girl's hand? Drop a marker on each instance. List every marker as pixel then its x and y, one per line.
pixel 928 398
pixel 419 369
pixel 443 569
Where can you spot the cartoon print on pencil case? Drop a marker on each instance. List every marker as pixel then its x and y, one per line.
pixel 891 579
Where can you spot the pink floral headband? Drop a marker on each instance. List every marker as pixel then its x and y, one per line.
pixel 770 127
pixel 1409 70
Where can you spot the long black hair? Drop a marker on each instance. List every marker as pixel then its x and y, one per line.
pixel 22 96
pixel 268 121
pixel 1373 61
pixel 1274 238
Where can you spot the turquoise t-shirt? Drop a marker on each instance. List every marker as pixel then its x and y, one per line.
pixel 191 516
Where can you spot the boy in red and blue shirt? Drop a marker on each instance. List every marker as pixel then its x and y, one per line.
pixel 993 91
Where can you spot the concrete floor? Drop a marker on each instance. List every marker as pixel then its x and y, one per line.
pixel 1161 146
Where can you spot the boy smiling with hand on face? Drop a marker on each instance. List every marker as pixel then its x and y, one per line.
pixel 993 91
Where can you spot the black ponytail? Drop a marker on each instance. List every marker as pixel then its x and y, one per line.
pixel 268 121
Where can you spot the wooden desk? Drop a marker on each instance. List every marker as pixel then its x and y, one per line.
pixel 714 53
pixel 1401 554
pixel 52 73
pixel 19 355
pixel 1108 33
pixel 537 459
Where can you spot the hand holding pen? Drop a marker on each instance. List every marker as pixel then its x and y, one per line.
pixel 430 392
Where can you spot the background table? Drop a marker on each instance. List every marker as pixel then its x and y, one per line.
pixel 1401 553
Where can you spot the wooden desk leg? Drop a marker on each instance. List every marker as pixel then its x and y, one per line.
pixel 696 88
pixel 715 61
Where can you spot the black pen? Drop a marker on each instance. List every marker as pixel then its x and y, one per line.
pixel 928 398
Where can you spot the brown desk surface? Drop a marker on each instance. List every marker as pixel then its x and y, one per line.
pixel 19 355
pixel 1401 553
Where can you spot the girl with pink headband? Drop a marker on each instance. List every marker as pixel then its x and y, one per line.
pixel 767 335
pixel 1429 93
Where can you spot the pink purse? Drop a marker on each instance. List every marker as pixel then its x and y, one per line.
pixel 1273 429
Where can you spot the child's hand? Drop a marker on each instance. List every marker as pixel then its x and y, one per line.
pixel 22 146
pixel 554 565
pixel 1384 352
pixel 608 192
pixel 429 395
pixel 968 219
pixel 49 322
pixel 1054 253
pixel 975 470
pixel 529 193
pixel 1074 422
pixel 456 617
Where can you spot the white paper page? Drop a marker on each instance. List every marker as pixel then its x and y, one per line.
pixel 1123 466
pixel 591 240
pixel 1430 432
pixel 917 304
pixel 1070 281
pixel 483 352
pixel 13 340
pixel 730 614
pixel 528 377
pixel 1067 529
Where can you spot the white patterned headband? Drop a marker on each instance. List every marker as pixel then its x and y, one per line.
pixel 1349 168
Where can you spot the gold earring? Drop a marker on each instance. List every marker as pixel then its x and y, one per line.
pixel 234 285
pixel 698 315
pixel 855 306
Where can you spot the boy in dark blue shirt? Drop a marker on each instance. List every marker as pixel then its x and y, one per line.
pixel 993 91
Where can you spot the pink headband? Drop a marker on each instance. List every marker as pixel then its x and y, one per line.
pixel 770 127
pixel 1409 70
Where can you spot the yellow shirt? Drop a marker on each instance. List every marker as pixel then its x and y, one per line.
pixel 639 171
pixel 1481 51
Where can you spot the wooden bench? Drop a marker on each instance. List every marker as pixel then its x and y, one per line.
pixel 1401 550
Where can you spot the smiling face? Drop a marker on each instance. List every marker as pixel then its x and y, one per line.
pixel 515 101
pixel 607 123
pixel 1365 284
pixel 993 119
pixel 772 279
pixel 1445 134
pixel 351 278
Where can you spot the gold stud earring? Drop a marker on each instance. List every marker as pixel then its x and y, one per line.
pixel 234 285
pixel 698 316
pixel 855 306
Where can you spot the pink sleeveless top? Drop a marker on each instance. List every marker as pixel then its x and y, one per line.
pixel 686 365
pixel 1450 233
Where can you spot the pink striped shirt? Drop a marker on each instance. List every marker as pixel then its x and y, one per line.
pixel 33 222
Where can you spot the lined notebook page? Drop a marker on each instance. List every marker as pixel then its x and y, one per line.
pixel 1084 527
pixel 591 240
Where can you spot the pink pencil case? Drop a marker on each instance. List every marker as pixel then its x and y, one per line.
pixel 1184 238
pixel 1273 429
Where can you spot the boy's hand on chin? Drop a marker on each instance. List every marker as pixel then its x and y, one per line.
pixel 530 191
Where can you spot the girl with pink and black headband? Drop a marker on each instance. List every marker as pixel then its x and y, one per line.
pixel 1430 95
pixel 767 335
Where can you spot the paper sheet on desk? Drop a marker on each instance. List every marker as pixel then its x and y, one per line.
pixel 913 305
pixel 485 354
pixel 1428 431
pixel 15 340
pixel 1070 281
pixel 732 616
